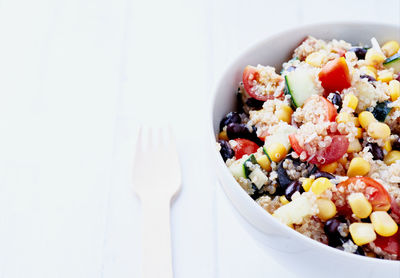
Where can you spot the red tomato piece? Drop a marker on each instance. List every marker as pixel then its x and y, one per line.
pixel 250 77
pixel 389 244
pixel 395 208
pixel 330 154
pixel 373 191
pixel 329 108
pixel 335 76
pixel 243 147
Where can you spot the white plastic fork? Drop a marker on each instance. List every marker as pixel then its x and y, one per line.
pixel 157 179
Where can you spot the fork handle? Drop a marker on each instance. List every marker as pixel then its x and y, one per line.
pixel 157 256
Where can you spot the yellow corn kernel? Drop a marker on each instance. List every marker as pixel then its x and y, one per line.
pixel 343 161
pixel 264 162
pixel 284 113
pixel 373 69
pixel 365 118
pixel 387 146
pixel 378 130
pixel 330 168
pixel 383 223
pixel 327 209
pixel 307 184
pixel 355 121
pixel 392 157
pixel 316 59
pixel 351 101
pixel 343 117
pixel 394 89
pixel 354 146
pixel 385 76
pixel 359 205
pixel 359 134
pixel 373 57
pixel 368 71
pixel 276 152
pixel 390 48
pixel 283 200
pixel 223 136
pixel 320 185
pixel 358 167
pixel 362 233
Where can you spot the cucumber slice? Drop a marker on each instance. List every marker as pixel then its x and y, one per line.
pixel 300 85
pixel 237 169
pixel 381 110
pixel 280 135
pixel 393 62
pixel 251 159
pixel 258 178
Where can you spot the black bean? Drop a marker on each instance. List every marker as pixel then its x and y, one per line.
pixel 398 78
pixel 336 100
pixel 360 52
pixel 332 232
pixel 235 130
pixel 360 251
pixel 256 193
pixel 322 174
pixel 376 151
pixel 283 179
pixel 294 186
pixel 369 77
pixel 396 145
pixel 231 117
pixel 226 150
pixel 255 138
pixel 254 103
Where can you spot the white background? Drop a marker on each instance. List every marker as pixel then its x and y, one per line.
pixel 77 78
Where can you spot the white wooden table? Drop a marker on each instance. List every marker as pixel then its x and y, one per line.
pixel 77 78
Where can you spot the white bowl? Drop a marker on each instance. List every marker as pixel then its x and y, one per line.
pixel 295 251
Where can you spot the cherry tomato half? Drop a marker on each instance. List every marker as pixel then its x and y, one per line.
pixel 327 155
pixel 335 76
pixel 389 244
pixel 373 191
pixel 243 147
pixel 329 108
pixel 250 74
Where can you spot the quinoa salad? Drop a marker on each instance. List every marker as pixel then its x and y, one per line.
pixel 317 144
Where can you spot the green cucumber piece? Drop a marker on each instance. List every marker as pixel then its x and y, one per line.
pixel 381 110
pixel 393 62
pixel 251 159
pixel 237 169
pixel 300 85
pixel 258 178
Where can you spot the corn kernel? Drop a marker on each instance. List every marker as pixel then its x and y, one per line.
pixel 373 57
pixel 359 134
pixel 316 59
pixel 351 101
pixel 327 209
pixel 378 130
pixel 368 71
pixel 355 121
pixel 330 168
pixel 385 76
pixel 390 48
pixel 223 136
pixel 343 117
pixel 284 113
pixel 359 205
pixel 358 167
pixel 394 89
pixel 276 152
pixel 392 157
pixel 320 185
pixel 264 162
pixel 343 161
pixel 307 184
pixel 383 223
pixel 373 69
pixel 354 146
pixel 362 233
pixel 387 146
pixel 283 200
pixel 365 118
